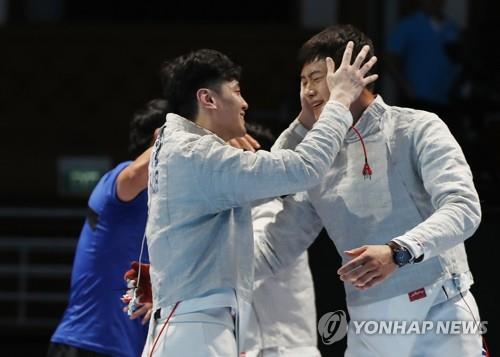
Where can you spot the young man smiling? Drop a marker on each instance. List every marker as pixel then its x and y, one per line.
pixel 199 228
pixel 398 203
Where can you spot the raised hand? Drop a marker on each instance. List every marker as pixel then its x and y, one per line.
pixel 347 82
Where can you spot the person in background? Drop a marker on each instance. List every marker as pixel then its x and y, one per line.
pixel 283 316
pixel 423 56
pixel 94 323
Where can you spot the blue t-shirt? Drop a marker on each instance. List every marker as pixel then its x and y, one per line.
pixel 94 319
pixel 421 44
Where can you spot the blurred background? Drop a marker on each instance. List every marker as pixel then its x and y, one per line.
pixel 73 72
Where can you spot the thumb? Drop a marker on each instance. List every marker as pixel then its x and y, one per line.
pixel 356 251
pixel 330 65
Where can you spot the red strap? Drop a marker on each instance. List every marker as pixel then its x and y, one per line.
pixel 163 328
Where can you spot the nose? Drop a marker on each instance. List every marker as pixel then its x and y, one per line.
pixel 309 90
pixel 244 104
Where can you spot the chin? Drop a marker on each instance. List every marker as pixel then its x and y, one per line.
pixel 242 132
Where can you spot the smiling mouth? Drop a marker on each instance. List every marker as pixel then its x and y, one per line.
pixel 317 105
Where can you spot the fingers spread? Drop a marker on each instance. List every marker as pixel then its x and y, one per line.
pixel 370 79
pixel 361 56
pixel 368 65
pixel 330 65
pixel 346 59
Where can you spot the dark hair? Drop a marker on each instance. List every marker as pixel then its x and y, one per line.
pixel 331 42
pixel 182 77
pixel 144 123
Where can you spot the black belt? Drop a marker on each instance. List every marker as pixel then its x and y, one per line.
pixel 157 314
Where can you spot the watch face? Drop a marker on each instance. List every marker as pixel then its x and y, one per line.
pixel 402 257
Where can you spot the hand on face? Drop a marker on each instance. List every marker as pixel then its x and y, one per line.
pixel 306 116
pixel 348 81
pixel 371 264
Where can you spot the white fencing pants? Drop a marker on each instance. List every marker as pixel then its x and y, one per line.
pixel 208 333
pixel 436 306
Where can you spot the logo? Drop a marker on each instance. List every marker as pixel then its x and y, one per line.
pixel 332 326
pixel 417 294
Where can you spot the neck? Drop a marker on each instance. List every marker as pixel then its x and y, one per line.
pixel 206 122
pixel 359 105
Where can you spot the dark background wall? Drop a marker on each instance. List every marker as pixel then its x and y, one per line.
pixel 70 78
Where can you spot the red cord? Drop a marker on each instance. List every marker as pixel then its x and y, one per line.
pixel 367 170
pixel 163 328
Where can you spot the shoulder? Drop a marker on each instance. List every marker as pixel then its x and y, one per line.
pixel 193 149
pixel 412 118
pixel 109 178
pixel 105 189
pixel 412 126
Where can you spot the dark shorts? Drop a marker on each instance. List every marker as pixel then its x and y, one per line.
pixel 61 350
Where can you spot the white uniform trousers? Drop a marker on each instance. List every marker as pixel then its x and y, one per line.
pixel 438 305
pixel 208 333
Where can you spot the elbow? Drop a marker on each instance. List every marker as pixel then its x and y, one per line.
pixel 476 216
pixel 316 173
pixel 473 219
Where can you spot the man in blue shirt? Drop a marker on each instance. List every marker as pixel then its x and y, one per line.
pixel 94 323
pixel 422 57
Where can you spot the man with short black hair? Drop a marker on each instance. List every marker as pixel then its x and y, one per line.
pixel 199 228
pixel 398 203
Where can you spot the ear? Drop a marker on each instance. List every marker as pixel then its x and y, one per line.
pixel 206 99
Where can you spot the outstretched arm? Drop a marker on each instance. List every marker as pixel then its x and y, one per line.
pixel 283 230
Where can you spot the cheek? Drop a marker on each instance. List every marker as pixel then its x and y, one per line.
pixel 323 91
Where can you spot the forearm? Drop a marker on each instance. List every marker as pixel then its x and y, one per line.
pixel 133 179
pixel 291 137
pixel 449 226
pixel 282 237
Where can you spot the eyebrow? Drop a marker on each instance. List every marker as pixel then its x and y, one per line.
pixel 316 71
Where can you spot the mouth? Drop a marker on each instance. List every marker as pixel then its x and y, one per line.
pixel 317 104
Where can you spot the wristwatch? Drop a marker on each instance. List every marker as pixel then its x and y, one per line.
pixel 400 254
